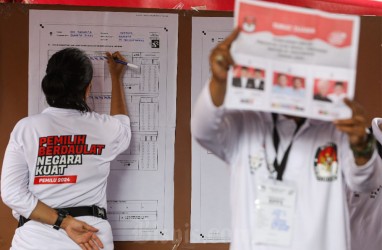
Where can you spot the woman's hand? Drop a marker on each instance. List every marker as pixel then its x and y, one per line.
pixel 82 233
pixel 116 69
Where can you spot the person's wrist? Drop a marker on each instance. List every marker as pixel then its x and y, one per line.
pixel 61 215
pixel 66 222
pixel 217 92
pixel 365 147
pixel 361 143
pixel 116 78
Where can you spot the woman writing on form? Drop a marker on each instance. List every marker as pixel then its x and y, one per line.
pixel 56 164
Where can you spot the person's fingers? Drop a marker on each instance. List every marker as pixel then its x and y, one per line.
pixel 348 102
pixel 87 245
pixel 116 55
pixel 119 56
pixel 219 70
pixel 344 122
pixel 360 119
pixel 221 57
pixel 97 240
pixel 352 130
pixel 228 41
pixel 93 245
pixel 109 57
pixel 354 106
pixel 356 120
pixel 220 54
pixel 220 60
pixel 82 246
pixel 351 104
pixel 355 127
pixel 347 122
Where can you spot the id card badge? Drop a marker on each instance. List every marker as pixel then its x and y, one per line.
pixel 274 213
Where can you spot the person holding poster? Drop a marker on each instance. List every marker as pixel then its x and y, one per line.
pixel 317 47
pixel 291 193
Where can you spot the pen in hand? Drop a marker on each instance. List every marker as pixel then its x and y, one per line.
pixel 124 63
pixel 116 60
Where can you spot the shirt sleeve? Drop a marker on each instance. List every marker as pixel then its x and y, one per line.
pixel 214 128
pixel 363 178
pixel 15 180
pixel 376 130
pixel 122 134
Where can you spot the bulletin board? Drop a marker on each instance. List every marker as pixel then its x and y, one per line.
pixel 14 103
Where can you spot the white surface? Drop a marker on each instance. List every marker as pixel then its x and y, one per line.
pixel 210 212
pixel 244 140
pixel 140 187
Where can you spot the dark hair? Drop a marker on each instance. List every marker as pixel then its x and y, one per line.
pixel 339 84
pixel 68 74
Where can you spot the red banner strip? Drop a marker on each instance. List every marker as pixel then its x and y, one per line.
pixel 55 179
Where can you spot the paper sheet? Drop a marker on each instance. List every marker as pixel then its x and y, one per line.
pixel 293 61
pixel 210 207
pixel 140 188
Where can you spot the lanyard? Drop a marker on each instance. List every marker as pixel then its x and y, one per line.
pixel 276 141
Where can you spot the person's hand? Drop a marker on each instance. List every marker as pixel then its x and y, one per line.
pixel 82 233
pixel 355 126
pixel 116 69
pixel 220 58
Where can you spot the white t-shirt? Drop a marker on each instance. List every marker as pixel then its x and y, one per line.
pixel 62 158
pixel 320 165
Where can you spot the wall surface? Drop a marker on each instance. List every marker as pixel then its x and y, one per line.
pixel 14 101
pixel 359 7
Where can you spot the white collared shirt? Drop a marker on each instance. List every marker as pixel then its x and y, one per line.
pixel 321 217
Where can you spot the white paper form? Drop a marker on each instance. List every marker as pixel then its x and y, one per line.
pixel 210 206
pixel 140 187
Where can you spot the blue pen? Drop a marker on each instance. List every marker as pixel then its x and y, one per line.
pixel 125 63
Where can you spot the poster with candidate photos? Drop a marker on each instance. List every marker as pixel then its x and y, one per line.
pixel 293 61
pixel 247 82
